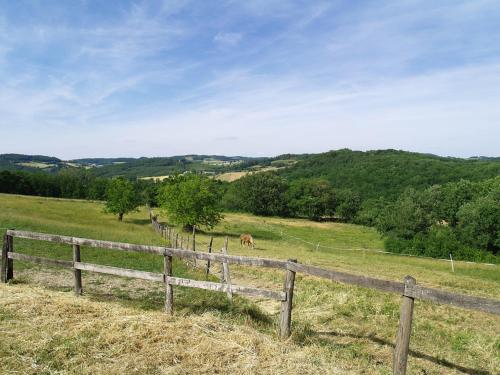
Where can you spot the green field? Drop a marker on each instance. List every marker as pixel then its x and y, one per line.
pixel 336 328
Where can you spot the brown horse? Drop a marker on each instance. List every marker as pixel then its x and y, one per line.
pixel 247 239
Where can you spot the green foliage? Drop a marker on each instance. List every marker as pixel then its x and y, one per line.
pixel 369 212
pixel 479 223
pixel 261 194
pixel 65 184
pixel 349 204
pixel 405 217
pixel 387 173
pixel 121 197
pixel 462 218
pixel 313 199
pixel 192 200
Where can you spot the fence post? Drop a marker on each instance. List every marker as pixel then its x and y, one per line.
pixel 77 273
pixel 169 291
pixel 10 262
pixel 209 251
pixel 5 250
pixel 194 238
pixel 286 305
pixel 225 273
pixel 400 359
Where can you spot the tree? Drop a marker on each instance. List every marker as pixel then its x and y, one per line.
pixel 191 200
pixel 349 204
pixel 405 217
pixel 313 199
pixel 121 197
pixel 479 223
pixel 262 193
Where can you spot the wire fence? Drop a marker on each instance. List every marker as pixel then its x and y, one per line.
pixel 318 245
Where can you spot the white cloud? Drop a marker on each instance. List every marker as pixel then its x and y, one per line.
pixel 228 39
pixel 153 81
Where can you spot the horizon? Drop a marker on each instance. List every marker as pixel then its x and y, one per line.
pixel 256 78
pixel 251 156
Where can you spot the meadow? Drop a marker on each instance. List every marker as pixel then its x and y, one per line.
pixel 118 325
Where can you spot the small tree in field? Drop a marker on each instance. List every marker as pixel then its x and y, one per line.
pixel 121 197
pixel 192 200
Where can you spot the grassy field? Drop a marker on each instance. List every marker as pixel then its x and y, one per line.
pixel 230 176
pixel 118 326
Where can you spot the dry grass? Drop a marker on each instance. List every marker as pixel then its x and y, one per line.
pixel 64 334
pixel 230 176
pixel 33 164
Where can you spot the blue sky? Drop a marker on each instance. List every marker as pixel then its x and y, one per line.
pixel 265 77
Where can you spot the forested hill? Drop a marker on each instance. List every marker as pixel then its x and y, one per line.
pixel 13 162
pixel 371 174
pixel 387 173
pixel 163 166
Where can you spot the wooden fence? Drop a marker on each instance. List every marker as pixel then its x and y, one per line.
pixel 408 289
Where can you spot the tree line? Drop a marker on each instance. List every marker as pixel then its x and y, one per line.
pixel 461 218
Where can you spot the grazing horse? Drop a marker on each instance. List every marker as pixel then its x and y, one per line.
pixel 246 239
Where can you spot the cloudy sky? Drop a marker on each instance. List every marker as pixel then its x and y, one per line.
pixel 264 77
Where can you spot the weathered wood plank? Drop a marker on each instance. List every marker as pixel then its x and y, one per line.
pixel 10 261
pixel 219 287
pixel 369 282
pixel 120 271
pixel 40 260
pixel 5 251
pixel 460 300
pixel 86 242
pixel 194 237
pixel 225 272
pixel 207 271
pixel 286 305
pixel 77 274
pixel 400 357
pixel 231 259
pixel 169 291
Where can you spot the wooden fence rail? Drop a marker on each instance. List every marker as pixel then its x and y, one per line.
pixel 408 289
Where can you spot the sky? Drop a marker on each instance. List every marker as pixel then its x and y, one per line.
pixel 88 78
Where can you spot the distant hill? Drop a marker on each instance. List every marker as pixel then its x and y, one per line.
pixel 372 174
pixel 126 167
pixel 162 166
pixel 30 162
pixel 388 172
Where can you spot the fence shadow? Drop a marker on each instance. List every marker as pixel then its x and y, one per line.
pixel 138 221
pixel 326 338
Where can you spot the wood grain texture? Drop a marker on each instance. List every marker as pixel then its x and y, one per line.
pixel 226 274
pixel 169 291
pixel 77 274
pixel 5 251
pixel 286 305
pixel 347 278
pixel 400 358
pixel 459 300
pixel 220 287
pixel 120 271
pixel 41 260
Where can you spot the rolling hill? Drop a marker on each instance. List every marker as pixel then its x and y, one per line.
pixel 371 174
pixel 388 172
